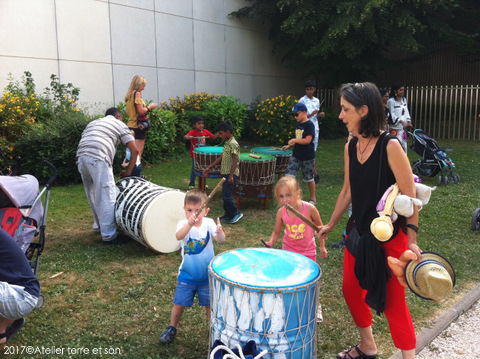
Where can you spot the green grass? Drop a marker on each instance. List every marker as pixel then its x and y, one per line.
pixel 119 297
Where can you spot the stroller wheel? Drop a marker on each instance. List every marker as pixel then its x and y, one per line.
pixel 476 220
pixel 442 180
pixel 456 178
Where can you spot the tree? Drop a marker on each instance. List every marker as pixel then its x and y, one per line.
pixel 350 40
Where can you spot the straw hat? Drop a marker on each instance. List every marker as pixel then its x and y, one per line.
pixel 433 278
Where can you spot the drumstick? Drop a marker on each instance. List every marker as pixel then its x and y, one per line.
pixel 302 217
pixel 265 244
pixel 210 196
pixel 254 156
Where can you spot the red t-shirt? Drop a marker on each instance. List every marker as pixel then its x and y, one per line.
pixel 199 140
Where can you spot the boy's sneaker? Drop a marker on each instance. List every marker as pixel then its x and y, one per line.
pixel 225 218
pixel 168 335
pixel 236 218
pixel 191 187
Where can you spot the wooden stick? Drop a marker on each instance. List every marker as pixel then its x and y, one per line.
pixel 302 217
pixel 210 196
pixel 265 244
pixel 254 156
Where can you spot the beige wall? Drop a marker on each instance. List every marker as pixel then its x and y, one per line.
pixel 180 46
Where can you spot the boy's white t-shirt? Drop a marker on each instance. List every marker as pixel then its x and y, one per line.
pixel 312 104
pixel 197 252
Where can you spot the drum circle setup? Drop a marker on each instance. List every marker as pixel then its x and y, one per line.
pixel 149 213
pixel 283 157
pixel 266 295
pixel 204 157
pixel 257 175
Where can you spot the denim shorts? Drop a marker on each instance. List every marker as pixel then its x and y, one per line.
pixel 185 293
pixel 15 302
pixel 307 166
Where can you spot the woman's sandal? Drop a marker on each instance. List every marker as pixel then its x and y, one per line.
pixel 312 201
pixel 360 354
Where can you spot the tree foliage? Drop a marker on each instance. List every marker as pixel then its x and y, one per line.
pixel 351 39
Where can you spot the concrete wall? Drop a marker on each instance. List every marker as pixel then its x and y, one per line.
pixel 179 46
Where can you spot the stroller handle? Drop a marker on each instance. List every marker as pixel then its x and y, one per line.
pixel 54 175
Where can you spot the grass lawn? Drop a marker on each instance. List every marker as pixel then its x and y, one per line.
pixel 117 299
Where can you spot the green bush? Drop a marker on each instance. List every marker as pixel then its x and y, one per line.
pixel 56 141
pixel 226 108
pixel 273 125
pixel 161 137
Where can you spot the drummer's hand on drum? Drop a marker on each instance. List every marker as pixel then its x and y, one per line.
pixel 124 174
pixel 205 173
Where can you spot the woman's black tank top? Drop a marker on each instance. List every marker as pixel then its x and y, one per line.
pixel 369 181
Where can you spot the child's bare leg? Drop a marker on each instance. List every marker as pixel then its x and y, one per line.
pixel 177 312
pixel 311 188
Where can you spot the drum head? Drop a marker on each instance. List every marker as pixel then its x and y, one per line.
pixel 209 150
pixel 274 151
pixel 263 158
pixel 159 222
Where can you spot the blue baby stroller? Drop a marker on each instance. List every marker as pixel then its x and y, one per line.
pixel 434 159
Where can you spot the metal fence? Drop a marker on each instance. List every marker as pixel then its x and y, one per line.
pixel 444 112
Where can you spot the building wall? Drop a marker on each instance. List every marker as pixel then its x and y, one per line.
pixel 179 46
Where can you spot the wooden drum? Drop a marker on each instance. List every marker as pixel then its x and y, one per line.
pixel 283 157
pixel 204 157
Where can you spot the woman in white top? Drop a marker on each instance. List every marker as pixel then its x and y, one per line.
pixel 397 104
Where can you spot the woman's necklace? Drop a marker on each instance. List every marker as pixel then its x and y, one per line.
pixel 361 152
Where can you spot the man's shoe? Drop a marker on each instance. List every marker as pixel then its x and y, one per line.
pixel 339 245
pixel 236 218
pixel 119 239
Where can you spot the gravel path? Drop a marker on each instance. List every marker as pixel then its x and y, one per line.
pixel 459 340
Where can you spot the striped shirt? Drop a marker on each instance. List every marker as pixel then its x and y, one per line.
pixel 101 138
pixel 230 148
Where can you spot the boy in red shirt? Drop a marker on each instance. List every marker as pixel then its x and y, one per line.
pixel 197 138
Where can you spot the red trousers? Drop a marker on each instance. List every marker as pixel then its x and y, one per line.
pixel 396 311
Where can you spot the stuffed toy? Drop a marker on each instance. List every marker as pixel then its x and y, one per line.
pixel 392 204
pixel 398 265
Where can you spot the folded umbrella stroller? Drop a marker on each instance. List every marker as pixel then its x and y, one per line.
pixel 22 214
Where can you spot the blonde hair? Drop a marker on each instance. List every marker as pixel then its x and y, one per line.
pixel 137 82
pixel 291 183
pixel 195 196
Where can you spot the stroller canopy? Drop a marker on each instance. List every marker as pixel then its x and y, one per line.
pixel 21 192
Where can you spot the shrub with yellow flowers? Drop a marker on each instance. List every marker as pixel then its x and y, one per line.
pixel 273 125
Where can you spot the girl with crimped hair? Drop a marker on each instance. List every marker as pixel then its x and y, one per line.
pixel 373 161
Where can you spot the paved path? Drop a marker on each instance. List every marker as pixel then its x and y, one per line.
pixel 454 334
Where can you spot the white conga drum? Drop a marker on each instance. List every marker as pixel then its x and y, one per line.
pixel 149 213
pixel 266 295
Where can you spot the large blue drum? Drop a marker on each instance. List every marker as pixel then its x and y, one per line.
pixel 266 295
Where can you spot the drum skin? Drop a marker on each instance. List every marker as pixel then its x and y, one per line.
pixel 149 213
pixel 266 295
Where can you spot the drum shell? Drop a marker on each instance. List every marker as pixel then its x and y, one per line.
pixel 282 157
pixel 149 213
pixel 256 172
pixel 205 156
pixel 281 320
